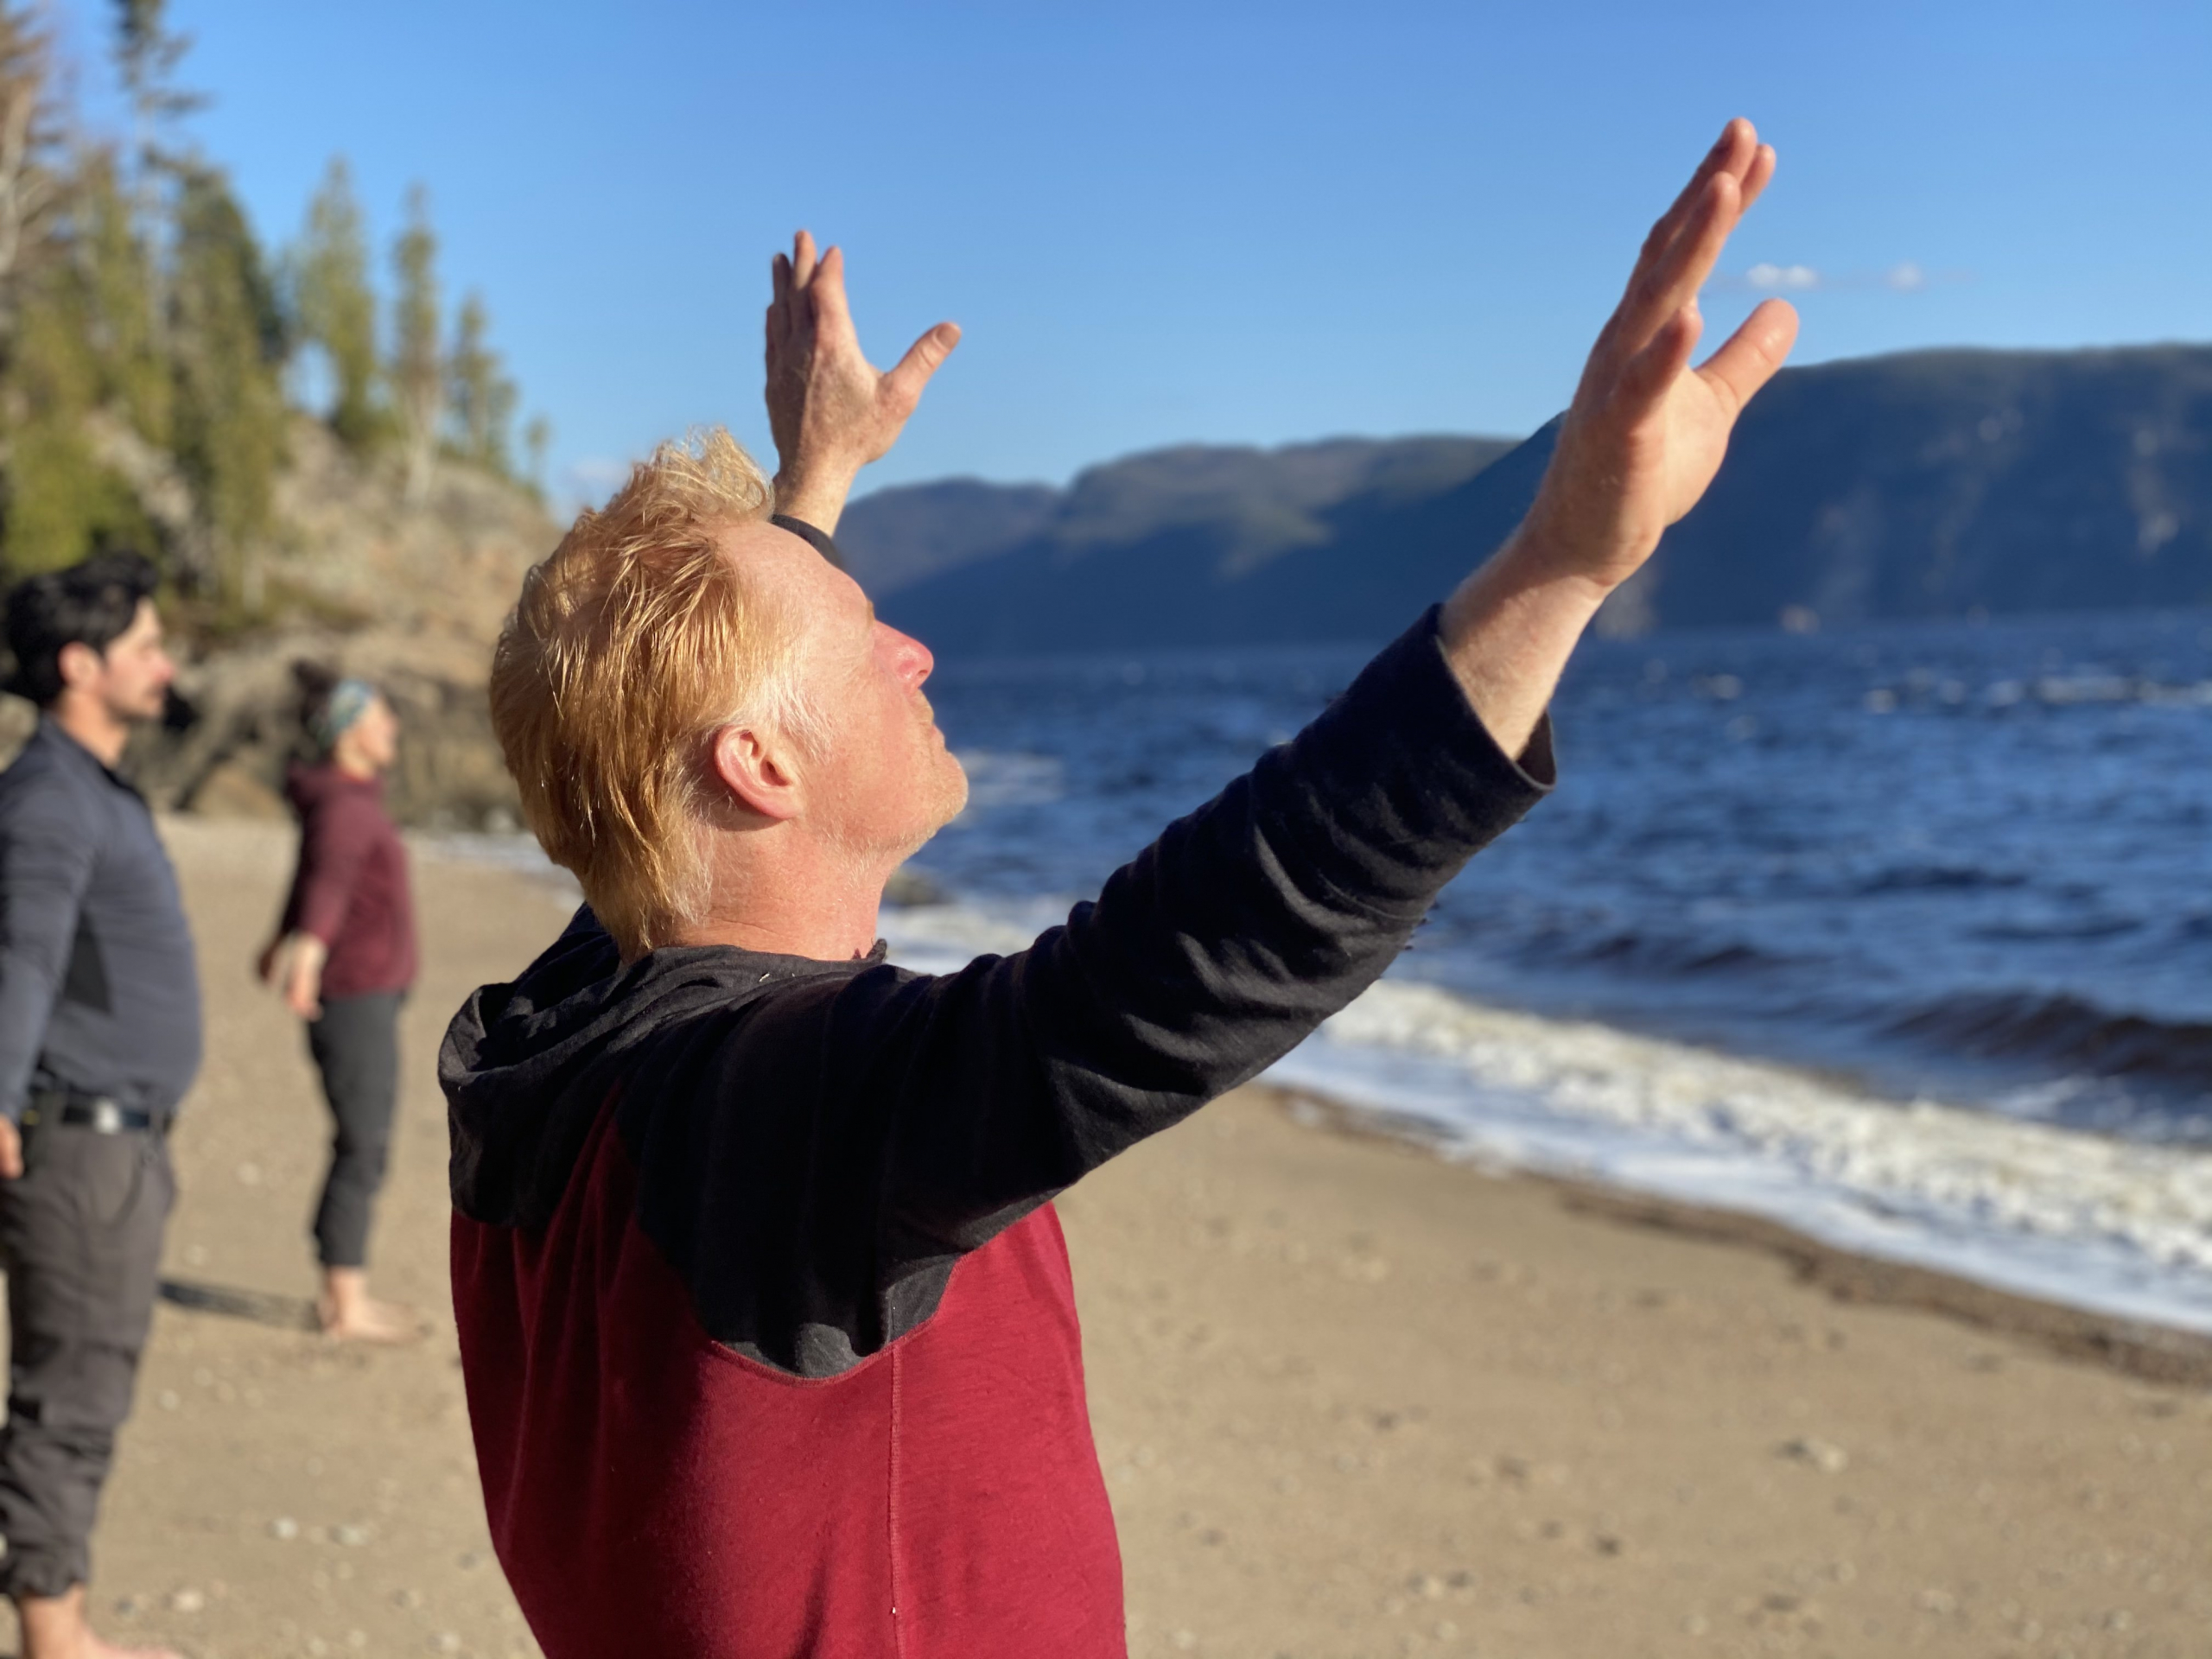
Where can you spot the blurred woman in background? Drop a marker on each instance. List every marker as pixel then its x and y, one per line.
pixel 344 956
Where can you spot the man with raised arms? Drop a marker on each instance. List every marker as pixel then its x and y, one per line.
pixel 770 1341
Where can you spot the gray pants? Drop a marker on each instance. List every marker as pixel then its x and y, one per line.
pixel 356 1047
pixel 80 1231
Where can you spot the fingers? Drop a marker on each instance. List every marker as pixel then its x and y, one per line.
pixel 1654 289
pixel 832 315
pixel 1757 176
pixel 779 304
pixel 1666 284
pixel 1733 154
pixel 1643 384
pixel 923 357
pixel 803 261
pixel 1751 355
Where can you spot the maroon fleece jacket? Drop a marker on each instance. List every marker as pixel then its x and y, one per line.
pixel 350 890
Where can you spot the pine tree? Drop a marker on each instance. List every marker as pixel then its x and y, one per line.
pixel 418 368
pixel 29 148
pixel 536 439
pixel 61 501
pixel 146 56
pixel 123 334
pixel 63 350
pixel 482 396
pixel 230 406
pixel 333 306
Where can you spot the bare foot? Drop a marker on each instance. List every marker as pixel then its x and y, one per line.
pixel 368 1320
pixel 54 1628
pixel 96 1649
pixel 348 1313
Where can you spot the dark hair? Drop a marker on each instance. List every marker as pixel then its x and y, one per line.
pixel 92 603
pixel 315 683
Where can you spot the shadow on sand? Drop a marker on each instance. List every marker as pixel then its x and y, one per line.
pixel 262 1307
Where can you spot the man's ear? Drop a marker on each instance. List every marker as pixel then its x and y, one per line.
pixel 80 664
pixel 754 774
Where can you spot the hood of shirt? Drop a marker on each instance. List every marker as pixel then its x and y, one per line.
pixel 526 1066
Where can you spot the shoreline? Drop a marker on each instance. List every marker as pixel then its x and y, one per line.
pixel 2131 1345
pixel 2133 1348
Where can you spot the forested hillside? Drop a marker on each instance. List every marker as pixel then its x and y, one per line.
pixel 318 450
pixel 1935 484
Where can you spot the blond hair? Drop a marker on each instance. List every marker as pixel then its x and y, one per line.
pixel 634 642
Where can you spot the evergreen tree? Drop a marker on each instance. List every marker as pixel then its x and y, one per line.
pixel 146 56
pixel 536 439
pixel 29 145
pixel 418 367
pixel 69 348
pixel 482 396
pixel 61 500
pixel 123 334
pixel 333 306
pixel 230 406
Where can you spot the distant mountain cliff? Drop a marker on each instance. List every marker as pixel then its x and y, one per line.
pixel 1927 485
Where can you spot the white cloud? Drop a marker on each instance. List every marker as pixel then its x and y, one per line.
pixel 1906 277
pixel 1791 279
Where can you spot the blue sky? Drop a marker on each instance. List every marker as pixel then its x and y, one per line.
pixel 1231 222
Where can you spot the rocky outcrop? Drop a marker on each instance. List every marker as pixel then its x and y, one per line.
pixel 409 597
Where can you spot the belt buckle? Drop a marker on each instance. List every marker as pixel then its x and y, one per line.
pixel 107 1117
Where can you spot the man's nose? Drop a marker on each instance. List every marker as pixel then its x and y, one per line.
pixel 915 662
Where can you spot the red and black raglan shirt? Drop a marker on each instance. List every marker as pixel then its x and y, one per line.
pixel 770 1341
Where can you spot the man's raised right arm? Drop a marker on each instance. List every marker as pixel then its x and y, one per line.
pixel 1640 444
pixel 1248 923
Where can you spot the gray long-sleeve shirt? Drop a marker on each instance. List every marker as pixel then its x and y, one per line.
pixel 98 987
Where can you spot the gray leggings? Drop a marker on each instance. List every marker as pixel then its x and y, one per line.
pixel 356 1047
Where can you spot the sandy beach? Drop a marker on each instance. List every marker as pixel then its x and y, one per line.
pixel 1352 1399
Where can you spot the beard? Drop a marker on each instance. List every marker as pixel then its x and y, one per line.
pixel 137 708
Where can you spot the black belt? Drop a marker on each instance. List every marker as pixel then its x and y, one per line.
pixel 94 1112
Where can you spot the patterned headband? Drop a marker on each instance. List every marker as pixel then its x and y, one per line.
pixel 348 701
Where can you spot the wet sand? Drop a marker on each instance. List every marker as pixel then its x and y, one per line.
pixel 1351 1399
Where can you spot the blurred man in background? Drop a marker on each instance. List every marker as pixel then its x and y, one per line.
pixel 100 1039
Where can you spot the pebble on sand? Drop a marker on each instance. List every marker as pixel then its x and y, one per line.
pixel 1823 1455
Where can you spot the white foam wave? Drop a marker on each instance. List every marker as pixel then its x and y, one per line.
pixel 2121 1227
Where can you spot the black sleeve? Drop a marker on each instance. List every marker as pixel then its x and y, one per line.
pixel 860 1132
pixel 1203 962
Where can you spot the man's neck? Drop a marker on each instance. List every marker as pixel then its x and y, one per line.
pixel 92 726
pixel 790 898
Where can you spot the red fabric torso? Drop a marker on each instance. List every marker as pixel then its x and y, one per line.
pixel 653 1494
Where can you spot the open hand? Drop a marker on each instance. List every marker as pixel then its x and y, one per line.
pixel 294 964
pixel 1646 433
pixel 829 411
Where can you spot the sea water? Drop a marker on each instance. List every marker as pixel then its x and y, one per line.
pixel 1902 936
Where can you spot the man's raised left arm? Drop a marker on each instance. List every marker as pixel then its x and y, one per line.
pixel 829 410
